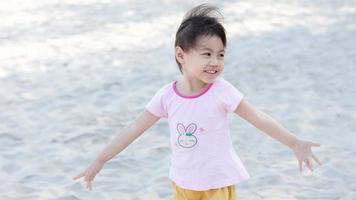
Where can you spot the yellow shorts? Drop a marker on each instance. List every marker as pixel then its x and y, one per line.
pixel 225 193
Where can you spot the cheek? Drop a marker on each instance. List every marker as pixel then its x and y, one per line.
pixel 197 64
pixel 222 62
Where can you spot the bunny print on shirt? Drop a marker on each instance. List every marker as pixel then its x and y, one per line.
pixel 186 137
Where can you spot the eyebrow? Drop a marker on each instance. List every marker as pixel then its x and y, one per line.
pixel 206 48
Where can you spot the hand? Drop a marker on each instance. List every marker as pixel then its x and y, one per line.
pixel 90 173
pixel 303 152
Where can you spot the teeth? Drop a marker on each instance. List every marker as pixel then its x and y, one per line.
pixel 211 71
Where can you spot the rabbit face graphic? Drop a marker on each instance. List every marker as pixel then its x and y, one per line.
pixel 186 137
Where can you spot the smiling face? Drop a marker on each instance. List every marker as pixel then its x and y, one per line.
pixel 205 61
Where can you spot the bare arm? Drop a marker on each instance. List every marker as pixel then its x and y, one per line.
pixel 144 121
pixel 128 135
pixel 265 123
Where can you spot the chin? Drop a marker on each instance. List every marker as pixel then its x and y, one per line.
pixel 210 80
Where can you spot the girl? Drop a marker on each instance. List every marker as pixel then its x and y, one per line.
pixel 204 164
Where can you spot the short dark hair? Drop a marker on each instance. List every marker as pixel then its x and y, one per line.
pixel 202 20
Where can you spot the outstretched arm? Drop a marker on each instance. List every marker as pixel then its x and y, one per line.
pixel 268 125
pixel 128 135
pixel 118 144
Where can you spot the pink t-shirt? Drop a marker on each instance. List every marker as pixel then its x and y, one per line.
pixel 203 156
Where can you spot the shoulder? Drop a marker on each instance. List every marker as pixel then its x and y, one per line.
pixel 223 84
pixel 166 87
pixel 224 87
pixel 165 90
pixel 228 95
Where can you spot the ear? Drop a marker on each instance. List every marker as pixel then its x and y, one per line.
pixel 180 54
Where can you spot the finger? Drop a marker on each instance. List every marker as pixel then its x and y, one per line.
pixel 86 178
pixel 300 165
pixel 310 166
pixel 316 159
pixel 88 185
pixel 79 176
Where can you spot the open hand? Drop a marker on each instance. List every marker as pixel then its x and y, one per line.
pixel 90 173
pixel 304 154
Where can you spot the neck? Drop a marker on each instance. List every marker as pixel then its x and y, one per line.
pixel 188 86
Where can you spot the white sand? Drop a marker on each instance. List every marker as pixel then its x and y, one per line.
pixel 73 73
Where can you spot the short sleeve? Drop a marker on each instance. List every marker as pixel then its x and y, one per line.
pixel 231 96
pixel 156 105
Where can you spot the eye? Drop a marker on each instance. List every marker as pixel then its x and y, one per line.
pixel 207 54
pixel 222 55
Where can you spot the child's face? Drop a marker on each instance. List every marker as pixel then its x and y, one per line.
pixel 205 61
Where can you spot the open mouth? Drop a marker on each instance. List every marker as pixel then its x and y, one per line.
pixel 211 71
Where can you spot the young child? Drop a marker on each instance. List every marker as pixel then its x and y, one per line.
pixel 204 164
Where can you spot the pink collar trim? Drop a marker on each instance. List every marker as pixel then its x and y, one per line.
pixel 190 97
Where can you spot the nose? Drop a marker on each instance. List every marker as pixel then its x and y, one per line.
pixel 215 62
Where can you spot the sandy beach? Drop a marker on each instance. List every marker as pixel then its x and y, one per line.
pixel 74 73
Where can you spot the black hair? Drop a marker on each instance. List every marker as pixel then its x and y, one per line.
pixel 202 20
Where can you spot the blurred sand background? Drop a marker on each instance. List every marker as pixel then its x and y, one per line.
pixel 75 72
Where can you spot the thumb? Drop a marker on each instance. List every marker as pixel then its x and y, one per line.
pixel 79 176
pixel 314 144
